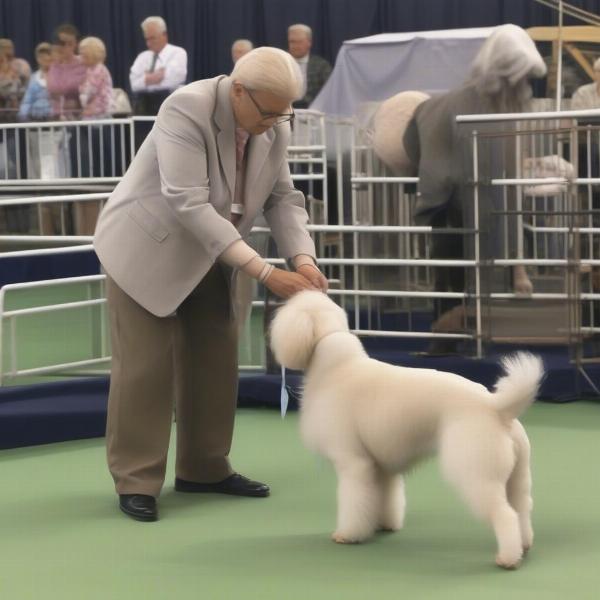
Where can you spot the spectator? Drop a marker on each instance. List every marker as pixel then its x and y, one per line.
pixel 95 95
pixel 66 74
pixel 35 105
pixel 588 96
pixel 239 48
pixel 11 88
pixel 12 219
pixel 95 92
pixel 20 65
pixel 315 70
pixel 158 71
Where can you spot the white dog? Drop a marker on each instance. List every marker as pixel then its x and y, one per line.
pixel 375 421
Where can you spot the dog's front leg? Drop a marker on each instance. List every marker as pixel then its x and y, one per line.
pixel 359 501
pixel 393 501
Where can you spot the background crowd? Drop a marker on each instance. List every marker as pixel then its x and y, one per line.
pixel 72 81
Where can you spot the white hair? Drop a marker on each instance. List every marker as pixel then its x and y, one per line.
pixel 270 70
pixel 504 65
pixel 96 45
pixel 159 21
pixel 301 27
pixel 243 43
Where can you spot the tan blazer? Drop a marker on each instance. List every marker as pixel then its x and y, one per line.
pixel 167 221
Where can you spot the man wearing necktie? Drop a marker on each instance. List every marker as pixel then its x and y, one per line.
pixel 171 240
pixel 153 64
pixel 158 71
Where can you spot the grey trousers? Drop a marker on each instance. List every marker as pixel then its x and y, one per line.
pixel 188 361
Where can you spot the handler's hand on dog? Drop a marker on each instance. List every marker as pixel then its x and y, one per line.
pixel 285 284
pixel 314 276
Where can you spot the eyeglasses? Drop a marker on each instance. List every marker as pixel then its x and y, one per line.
pixel 269 116
pixel 60 42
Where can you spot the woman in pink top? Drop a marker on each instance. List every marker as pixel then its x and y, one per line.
pixel 95 92
pixel 66 74
pixel 95 95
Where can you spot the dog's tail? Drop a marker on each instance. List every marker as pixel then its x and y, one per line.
pixel 517 389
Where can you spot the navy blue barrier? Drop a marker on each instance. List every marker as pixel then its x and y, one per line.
pixel 20 269
pixel 76 409
pixel 53 412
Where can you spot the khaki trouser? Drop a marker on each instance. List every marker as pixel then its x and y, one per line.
pixel 85 217
pixel 189 360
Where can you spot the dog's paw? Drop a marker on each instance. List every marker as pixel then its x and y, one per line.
pixel 390 527
pixel 344 538
pixel 510 563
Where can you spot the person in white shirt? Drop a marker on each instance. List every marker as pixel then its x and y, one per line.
pixel 588 96
pixel 158 71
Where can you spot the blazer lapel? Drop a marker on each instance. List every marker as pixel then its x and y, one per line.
pixel 223 117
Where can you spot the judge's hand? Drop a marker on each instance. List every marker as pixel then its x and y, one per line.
pixel 312 273
pixel 285 284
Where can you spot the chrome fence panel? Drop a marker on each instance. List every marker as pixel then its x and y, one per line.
pixel 536 180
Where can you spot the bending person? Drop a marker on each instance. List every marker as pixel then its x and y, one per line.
pixel 170 240
pixel 499 82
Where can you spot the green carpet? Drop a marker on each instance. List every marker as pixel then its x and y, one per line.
pixel 63 538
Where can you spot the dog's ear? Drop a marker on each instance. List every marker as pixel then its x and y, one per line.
pixel 292 336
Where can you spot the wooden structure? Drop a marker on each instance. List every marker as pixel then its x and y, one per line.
pixel 573 37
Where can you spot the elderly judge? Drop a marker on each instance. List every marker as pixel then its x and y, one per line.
pixel 171 240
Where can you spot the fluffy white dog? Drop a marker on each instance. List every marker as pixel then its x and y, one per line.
pixel 375 421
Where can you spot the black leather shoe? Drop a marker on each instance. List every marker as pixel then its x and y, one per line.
pixel 139 506
pixel 236 485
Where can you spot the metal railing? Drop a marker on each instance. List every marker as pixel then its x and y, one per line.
pixel 383 262
pixel 9 361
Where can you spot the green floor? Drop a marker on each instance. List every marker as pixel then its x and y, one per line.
pixel 62 537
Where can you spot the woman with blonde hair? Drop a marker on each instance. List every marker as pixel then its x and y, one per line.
pixel 95 92
pixel 95 96
pixel 171 240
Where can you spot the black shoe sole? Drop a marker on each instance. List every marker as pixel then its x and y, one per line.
pixel 248 495
pixel 138 517
pixel 194 490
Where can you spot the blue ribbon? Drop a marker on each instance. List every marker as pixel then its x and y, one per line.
pixel 284 394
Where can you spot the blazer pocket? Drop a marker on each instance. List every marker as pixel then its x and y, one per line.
pixel 148 222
